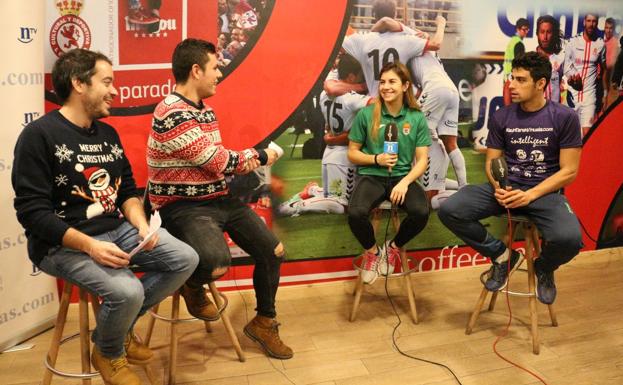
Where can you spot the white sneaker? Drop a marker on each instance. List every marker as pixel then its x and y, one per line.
pixel 369 267
pixel 388 261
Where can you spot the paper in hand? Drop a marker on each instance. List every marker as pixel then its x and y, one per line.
pixel 154 224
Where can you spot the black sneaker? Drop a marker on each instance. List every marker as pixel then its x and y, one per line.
pixel 545 287
pixel 499 272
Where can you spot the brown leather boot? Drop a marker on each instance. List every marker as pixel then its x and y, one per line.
pixel 199 304
pixel 136 352
pixel 114 371
pixel 265 331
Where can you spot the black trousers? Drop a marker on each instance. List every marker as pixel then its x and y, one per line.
pixel 369 192
pixel 201 225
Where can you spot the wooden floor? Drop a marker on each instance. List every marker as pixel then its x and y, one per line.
pixel 587 347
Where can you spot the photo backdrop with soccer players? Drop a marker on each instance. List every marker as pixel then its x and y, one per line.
pixel 276 57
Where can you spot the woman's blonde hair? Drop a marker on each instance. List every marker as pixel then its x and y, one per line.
pixel 408 99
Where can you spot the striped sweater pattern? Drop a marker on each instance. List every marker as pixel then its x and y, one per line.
pixel 185 157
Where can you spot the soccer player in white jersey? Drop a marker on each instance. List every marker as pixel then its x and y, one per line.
pixel 373 50
pixel 550 44
pixel 338 173
pixel 585 58
pixel 439 100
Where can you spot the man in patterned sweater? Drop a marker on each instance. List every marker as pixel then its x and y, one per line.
pixel 187 168
pixel 72 182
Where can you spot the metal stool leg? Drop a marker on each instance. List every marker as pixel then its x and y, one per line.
pixel 218 300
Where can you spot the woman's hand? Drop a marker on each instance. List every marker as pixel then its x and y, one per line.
pixel 387 160
pixel 399 191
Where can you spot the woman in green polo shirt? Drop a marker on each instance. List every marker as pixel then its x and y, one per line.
pixel 388 176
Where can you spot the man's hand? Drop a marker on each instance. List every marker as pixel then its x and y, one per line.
pixel 272 156
pixel 511 198
pixel 142 233
pixel 575 81
pixel 250 165
pixel 108 254
pixel 398 193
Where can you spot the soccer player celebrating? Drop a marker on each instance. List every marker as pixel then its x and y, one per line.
pixel 550 45
pixel 440 103
pixel 585 61
pixel 338 173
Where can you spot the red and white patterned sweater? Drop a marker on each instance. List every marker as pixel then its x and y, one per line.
pixel 185 157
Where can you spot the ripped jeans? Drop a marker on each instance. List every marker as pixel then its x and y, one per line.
pixel 201 225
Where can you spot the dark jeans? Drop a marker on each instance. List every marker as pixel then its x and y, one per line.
pixel 551 213
pixel 369 192
pixel 201 225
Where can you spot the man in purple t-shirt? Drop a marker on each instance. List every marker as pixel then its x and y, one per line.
pixel 541 142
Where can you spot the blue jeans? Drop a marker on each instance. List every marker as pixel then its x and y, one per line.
pixel 551 213
pixel 124 296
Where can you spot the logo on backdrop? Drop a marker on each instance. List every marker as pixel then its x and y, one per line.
pixel 35 271
pixel 26 34
pixel 29 117
pixel 69 31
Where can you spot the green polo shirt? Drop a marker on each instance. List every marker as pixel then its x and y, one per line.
pixel 412 133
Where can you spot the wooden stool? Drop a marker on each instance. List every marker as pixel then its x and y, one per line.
pixel 85 342
pixel 221 303
pixel 58 340
pixel 405 260
pixel 533 249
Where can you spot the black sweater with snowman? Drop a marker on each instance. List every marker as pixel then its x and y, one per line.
pixel 67 176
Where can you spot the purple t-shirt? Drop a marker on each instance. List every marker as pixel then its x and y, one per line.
pixel 532 140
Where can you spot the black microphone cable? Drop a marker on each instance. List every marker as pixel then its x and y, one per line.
pixel 391 301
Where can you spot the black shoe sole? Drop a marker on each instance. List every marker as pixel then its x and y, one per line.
pixel 264 347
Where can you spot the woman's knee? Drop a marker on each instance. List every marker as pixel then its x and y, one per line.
pixel 358 213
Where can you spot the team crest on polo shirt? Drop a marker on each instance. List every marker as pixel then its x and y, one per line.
pixel 406 128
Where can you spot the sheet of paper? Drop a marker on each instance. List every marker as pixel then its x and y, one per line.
pixel 154 224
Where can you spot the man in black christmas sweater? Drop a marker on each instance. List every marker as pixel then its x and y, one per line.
pixel 72 182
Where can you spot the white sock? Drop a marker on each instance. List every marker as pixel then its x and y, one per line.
pixel 451 184
pixel 438 199
pixel 504 257
pixel 458 162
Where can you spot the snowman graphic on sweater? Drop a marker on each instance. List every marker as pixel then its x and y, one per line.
pixel 103 194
